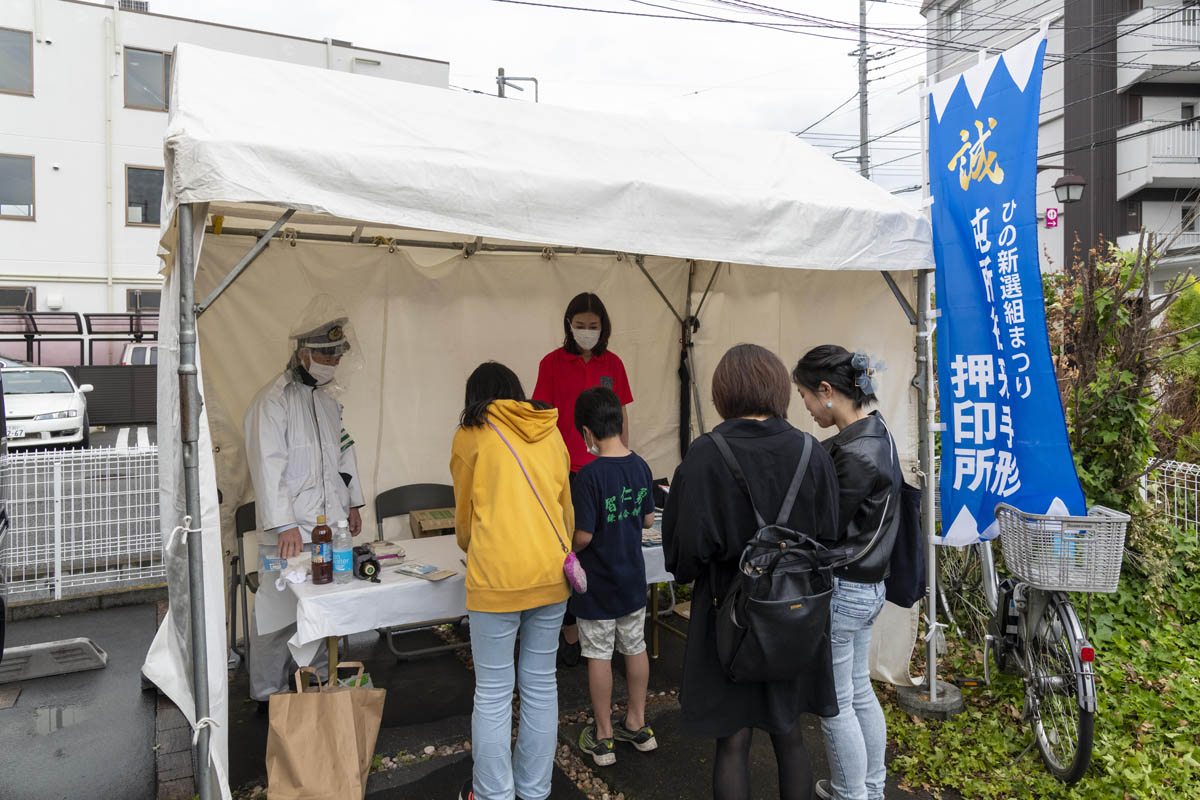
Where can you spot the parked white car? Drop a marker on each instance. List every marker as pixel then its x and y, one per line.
pixel 44 407
pixel 139 354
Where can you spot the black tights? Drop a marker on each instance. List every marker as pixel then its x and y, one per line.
pixel 731 766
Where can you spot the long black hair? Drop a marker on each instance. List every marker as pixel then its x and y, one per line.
pixel 582 304
pixel 832 364
pixel 489 382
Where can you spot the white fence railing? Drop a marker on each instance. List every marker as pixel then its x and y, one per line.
pixel 1174 489
pixel 1182 141
pixel 80 521
pixel 1177 29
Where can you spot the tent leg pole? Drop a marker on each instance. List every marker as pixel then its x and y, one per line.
pixel 189 407
pixel 926 412
pixel 690 325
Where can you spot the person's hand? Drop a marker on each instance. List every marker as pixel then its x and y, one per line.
pixel 290 543
pixel 355 522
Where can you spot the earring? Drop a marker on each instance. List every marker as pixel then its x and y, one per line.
pixel 829 404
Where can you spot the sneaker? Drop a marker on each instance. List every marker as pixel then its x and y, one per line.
pixel 643 738
pixel 825 790
pixel 601 751
pixel 569 654
pixel 467 792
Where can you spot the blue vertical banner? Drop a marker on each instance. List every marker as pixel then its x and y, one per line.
pixel 1005 437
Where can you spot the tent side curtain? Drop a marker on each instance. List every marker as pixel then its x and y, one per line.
pixel 473 165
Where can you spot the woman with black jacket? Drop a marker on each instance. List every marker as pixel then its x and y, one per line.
pixel 835 385
pixel 706 524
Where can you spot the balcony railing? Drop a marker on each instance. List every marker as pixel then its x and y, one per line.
pixel 1179 142
pixel 1181 28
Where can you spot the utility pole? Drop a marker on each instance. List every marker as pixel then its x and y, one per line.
pixel 864 167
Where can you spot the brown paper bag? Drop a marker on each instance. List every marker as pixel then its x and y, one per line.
pixel 316 740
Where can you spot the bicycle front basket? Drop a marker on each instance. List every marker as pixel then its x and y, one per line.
pixel 1070 554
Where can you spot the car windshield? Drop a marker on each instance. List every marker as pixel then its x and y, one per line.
pixel 36 382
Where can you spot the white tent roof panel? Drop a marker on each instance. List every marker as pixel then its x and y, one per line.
pixel 249 130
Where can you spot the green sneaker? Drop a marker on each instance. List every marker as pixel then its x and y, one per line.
pixel 603 751
pixel 643 738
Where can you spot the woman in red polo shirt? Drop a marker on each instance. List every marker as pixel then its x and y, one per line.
pixel 582 362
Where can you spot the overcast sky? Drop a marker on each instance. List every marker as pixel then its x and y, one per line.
pixel 697 71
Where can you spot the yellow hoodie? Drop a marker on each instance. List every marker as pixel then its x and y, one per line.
pixel 514 559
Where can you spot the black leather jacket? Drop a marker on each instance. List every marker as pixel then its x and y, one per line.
pixel 869 480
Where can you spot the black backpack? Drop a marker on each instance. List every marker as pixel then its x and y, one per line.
pixel 773 623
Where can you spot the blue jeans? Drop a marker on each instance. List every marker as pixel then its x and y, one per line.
pixel 499 770
pixel 856 738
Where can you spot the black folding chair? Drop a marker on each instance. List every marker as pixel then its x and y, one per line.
pixel 405 500
pixel 243 522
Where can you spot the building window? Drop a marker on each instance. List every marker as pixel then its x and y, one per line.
pixel 18 298
pixel 147 79
pixel 955 21
pixel 16 62
pixel 142 300
pixel 143 195
pixel 1187 219
pixel 1131 108
pixel 16 187
pixel 1133 216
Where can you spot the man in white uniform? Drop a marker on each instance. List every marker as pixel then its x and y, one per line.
pixel 303 465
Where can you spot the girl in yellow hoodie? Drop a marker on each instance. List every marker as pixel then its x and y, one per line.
pixel 515 547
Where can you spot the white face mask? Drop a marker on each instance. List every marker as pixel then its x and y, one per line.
pixel 586 339
pixel 592 448
pixel 322 373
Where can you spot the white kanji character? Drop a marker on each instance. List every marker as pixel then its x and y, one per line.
pixel 1016 336
pixel 980 373
pixel 979 228
pixel 996 329
pixel 1014 312
pixel 1009 208
pixel 1007 479
pixel 1010 286
pixel 974 422
pixel 1008 235
pixel 1002 380
pixel 1006 426
pixel 1024 386
pixel 1022 357
pixel 975 464
pixel 988 287
pixel 1006 261
pixel 958 375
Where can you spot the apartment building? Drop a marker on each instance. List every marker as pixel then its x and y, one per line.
pixel 1120 75
pixel 84 92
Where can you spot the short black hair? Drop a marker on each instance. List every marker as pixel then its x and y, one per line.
pixel 750 381
pixel 489 382
pixel 831 363
pixel 582 304
pixel 599 409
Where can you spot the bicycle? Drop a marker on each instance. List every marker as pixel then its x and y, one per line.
pixel 1028 623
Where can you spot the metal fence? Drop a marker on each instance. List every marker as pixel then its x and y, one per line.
pixel 1174 488
pixel 81 521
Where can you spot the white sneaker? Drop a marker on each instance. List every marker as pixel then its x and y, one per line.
pixel 825 790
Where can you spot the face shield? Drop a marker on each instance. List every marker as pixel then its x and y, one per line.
pixel 322 340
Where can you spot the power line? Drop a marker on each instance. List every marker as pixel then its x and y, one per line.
pixel 842 105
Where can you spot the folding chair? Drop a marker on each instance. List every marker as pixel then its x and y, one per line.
pixel 404 500
pixel 243 522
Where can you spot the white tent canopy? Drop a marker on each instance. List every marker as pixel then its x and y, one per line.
pixel 454 228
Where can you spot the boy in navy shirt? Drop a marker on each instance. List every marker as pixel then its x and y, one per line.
pixel 614 501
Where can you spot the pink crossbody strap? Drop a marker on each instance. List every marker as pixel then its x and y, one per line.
pixel 529 480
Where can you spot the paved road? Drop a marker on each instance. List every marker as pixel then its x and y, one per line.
pixel 125 436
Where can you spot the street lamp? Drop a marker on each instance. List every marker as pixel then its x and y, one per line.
pixel 1069 188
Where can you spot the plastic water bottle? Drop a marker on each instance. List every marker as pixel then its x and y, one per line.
pixel 343 553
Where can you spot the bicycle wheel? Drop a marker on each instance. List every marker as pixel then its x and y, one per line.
pixel 960 582
pixel 1061 727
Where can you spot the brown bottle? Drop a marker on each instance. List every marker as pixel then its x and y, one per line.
pixel 322 553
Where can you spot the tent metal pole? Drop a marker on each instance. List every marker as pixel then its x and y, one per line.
pixel 926 415
pixel 690 325
pixel 641 263
pixel 189 417
pixel 900 298
pixel 246 261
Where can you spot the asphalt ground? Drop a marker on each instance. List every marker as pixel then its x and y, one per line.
pixel 86 734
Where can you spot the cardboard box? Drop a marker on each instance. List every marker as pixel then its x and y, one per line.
pixel 431 522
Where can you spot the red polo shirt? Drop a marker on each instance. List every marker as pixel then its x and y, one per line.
pixel 561 378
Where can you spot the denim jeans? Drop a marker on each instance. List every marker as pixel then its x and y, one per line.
pixel 501 770
pixel 856 738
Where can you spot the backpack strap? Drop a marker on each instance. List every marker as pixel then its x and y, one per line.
pixel 789 499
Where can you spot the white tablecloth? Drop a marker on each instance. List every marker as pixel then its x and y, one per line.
pixel 340 609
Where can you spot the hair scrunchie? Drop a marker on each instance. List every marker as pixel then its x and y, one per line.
pixel 866 371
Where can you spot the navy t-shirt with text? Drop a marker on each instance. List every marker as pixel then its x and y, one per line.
pixel 611 497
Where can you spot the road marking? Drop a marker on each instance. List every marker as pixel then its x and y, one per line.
pixel 123 439
pixel 143 437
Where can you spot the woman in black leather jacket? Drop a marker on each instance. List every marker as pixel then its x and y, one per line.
pixel 836 385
